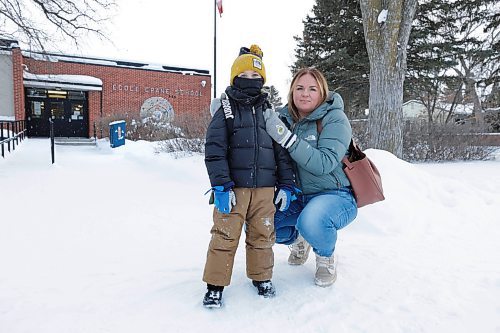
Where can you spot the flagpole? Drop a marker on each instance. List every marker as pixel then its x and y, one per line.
pixel 215 48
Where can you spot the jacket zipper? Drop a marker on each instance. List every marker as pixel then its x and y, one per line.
pixel 294 129
pixel 256 148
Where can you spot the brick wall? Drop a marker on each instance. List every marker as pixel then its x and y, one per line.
pixel 17 75
pixel 94 104
pixel 125 89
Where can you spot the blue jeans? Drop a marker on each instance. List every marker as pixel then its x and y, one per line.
pixel 317 217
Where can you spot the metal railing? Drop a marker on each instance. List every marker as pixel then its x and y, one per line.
pixel 11 132
pixel 52 151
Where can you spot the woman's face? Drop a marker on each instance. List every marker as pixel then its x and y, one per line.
pixel 306 94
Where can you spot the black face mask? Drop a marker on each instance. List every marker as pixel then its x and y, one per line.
pixel 251 87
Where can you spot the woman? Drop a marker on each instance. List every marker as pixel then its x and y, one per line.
pixel 316 133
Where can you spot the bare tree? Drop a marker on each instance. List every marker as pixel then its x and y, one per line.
pixel 479 65
pixel 387 26
pixel 35 22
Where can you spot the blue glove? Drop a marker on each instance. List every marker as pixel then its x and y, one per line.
pixel 278 130
pixel 286 194
pixel 224 198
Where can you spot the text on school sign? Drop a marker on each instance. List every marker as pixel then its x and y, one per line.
pixel 132 88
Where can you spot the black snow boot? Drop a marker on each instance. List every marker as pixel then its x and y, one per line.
pixel 265 288
pixel 213 297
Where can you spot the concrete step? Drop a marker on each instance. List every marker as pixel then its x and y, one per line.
pixel 75 141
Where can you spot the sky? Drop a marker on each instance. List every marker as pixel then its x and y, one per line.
pixel 181 33
pixel 114 241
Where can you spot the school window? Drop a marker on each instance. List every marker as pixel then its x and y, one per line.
pixel 37 109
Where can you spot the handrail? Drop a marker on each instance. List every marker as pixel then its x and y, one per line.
pixel 11 131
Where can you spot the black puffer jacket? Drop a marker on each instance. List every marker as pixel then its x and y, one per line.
pixel 247 156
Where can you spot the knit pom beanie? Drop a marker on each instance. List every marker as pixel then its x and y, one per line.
pixel 248 59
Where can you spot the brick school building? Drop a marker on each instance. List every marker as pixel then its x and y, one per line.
pixel 81 94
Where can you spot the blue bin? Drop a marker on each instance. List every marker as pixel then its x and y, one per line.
pixel 117 131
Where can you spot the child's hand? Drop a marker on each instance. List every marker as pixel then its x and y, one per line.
pixel 278 130
pixel 225 199
pixel 283 199
pixel 285 195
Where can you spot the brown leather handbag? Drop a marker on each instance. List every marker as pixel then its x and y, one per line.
pixel 364 176
pixel 365 179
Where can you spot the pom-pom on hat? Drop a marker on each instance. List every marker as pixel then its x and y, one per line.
pixel 248 59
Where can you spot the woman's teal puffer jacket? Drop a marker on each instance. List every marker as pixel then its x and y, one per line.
pixel 317 162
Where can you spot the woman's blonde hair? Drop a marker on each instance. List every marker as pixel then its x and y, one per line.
pixel 320 79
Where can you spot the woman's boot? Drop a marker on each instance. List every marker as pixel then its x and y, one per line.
pixel 299 251
pixel 326 271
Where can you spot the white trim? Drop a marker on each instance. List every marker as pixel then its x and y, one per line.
pixel 66 86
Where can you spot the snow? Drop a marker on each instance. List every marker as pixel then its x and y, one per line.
pixel 115 240
pixel 83 79
pixel 4 134
pixel 62 81
pixel 116 122
pixel 382 16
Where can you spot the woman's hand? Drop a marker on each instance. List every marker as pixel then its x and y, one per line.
pixel 278 130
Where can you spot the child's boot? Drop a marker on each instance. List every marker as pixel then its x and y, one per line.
pixel 213 297
pixel 265 288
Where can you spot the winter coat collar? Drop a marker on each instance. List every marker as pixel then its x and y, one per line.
pixel 242 98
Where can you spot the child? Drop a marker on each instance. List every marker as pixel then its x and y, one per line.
pixel 244 166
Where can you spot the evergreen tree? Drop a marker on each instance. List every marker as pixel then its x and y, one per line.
pixel 333 42
pixel 273 96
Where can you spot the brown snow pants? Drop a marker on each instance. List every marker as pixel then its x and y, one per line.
pixel 255 207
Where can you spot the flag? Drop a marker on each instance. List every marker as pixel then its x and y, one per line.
pixel 219 7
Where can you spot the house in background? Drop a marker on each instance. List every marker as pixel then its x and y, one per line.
pixel 414 109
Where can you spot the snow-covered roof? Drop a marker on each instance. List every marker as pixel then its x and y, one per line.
pixel 54 57
pixel 8 43
pixel 412 101
pixel 465 109
pixel 7 118
pixel 80 82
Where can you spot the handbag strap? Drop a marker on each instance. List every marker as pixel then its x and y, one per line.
pixel 350 153
pixel 319 125
pixel 353 152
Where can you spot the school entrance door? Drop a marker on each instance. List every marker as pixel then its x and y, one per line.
pixel 67 109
